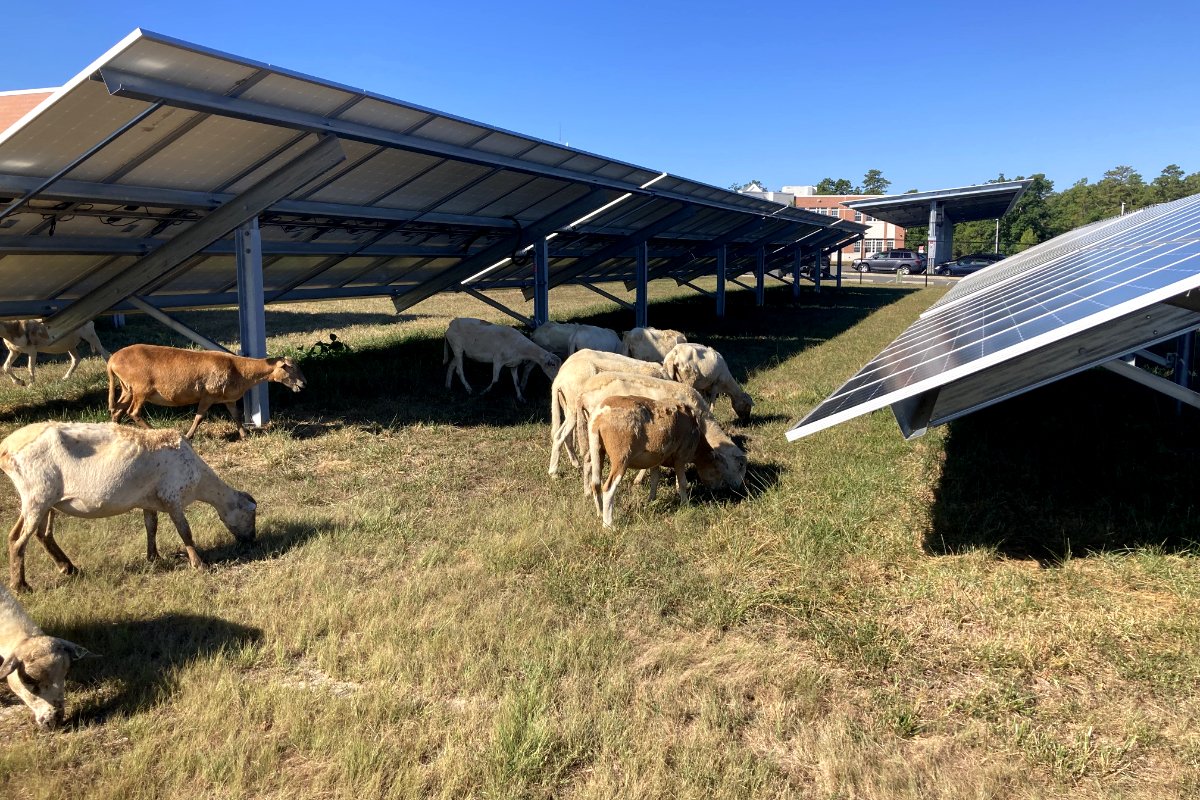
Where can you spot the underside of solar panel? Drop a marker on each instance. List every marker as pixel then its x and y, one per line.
pixel 1077 301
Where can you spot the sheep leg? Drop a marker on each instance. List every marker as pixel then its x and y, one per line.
pixel 496 367
pixel 151 519
pixel 518 387
pixel 46 537
pixel 185 533
pixel 201 409
pixel 32 364
pixel 610 490
pixel 560 440
pixel 526 371
pixel 591 473
pixel 135 410
pixel 237 419
pixel 18 537
pixel 8 363
pixel 74 363
pixel 655 472
pixel 681 483
pixel 94 342
pixel 457 364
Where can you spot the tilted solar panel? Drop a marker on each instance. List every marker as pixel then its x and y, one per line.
pixel 1082 299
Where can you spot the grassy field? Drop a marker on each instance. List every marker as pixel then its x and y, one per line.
pixel 1007 607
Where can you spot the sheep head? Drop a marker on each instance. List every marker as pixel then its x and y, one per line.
pixel 36 670
pixel 550 364
pixel 240 513
pixel 742 406
pixel 287 372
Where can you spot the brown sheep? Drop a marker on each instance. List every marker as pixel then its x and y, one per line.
pixel 641 433
pixel 170 376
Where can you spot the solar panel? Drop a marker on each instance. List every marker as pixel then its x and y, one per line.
pixel 1072 303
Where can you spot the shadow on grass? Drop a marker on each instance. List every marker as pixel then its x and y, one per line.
pixel 140 658
pixel 1090 464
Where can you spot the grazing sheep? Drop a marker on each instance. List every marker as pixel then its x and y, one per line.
pixel 644 434
pixel 591 337
pixel 728 466
pixel 171 376
pixel 501 345
pixel 555 337
pixel 705 370
pixel 35 664
pixel 31 336
pixel 582 365
pixel 93 470
pixel 650 344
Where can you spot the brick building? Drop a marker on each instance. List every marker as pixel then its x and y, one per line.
pixel 880 235
pixel 14 105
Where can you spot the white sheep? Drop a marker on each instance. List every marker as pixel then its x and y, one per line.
pixel 31 336
pixel 729 461
pixel 500 345
pixel 705 370
pixel 555 337
pixel 93 470
pixel 650 344
pixel 34 664
pixel 582 365
pixel 643 434
pixel 592 337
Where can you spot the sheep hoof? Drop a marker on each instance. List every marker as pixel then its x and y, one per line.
pixel 21 588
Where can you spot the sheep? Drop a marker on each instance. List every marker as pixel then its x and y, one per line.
pixel 555 337
pixel 650 344
pixel 31 336
pixel 644 434
pixel 582 365
pixel 171 376
pixel 93 470
pixel 35 664
pixel 705 370
pixel 501 345
pixel 591 337
pixel 728 466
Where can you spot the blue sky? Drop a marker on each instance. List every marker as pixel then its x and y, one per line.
pixel 933 94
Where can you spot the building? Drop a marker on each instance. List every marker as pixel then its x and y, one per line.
pixel 14 105
pixel 880 235
pixel 758 190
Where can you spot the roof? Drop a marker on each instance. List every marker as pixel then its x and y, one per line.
pixel 967 203
pixel 14 105
pixel 160 142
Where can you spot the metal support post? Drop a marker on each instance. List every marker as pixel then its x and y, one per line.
pixel 1184 353
pixel 760 276
pixel 816 273
pixel 541 282
pixel 796 272
pixel 839 269
pixel 721 281
pixel 252 316
pixel 641 297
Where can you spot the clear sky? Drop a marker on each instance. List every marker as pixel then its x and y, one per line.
pixel 933 94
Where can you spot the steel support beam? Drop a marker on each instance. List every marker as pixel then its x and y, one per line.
pixel 607 295
pixel 1152 381
pixel 483 298
pixel 155 313
pixel 252 317
pixel 641 301
pixel 157 265
pixel 839 267
pixel 765 239
pixel 721 281
pixel 704 248
pixel 796 266
pixel 541 283
pixel 760 276
pixel 507 247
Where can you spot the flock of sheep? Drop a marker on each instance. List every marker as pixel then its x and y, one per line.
pixel 644 400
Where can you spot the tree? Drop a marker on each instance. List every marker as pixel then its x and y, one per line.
pixel 874 183
pixel 831 186
pixel 1168 185
pixel 740 187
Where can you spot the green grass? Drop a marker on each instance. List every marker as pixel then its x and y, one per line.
pixel 1006 607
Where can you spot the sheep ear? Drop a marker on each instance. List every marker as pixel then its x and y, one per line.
pixel 10 665
pixel 76 651
pixel 250 499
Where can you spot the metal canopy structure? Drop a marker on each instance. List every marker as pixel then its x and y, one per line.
pixel 1088 298
pixel 942 208
pixel 123 190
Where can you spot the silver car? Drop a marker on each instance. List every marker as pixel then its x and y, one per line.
pixel 905 262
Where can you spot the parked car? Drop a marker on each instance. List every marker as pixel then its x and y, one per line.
pixel 965 265
pixel 906 262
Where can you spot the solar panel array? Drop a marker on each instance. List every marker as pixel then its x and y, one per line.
pixel 1071 303
pixel 419 198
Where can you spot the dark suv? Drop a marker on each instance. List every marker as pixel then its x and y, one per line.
pixel 965 265
pixel 906 262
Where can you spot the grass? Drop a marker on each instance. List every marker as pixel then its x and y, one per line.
pixel 1006 607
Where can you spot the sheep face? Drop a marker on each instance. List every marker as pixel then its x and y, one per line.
pixel 725 465
pixel 37 673
pixel 288 373
pixel 742 406
pixel 550 364
pixel 240 516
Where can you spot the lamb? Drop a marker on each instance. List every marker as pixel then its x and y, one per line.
pixel 650 344
pixel 644 434
pixel 591 337
pixel 35 664
pixel 171 376
pixel 501 345
pixel 582 365
pixel 728 465
pixel 31 336
pixel 555 337
pixel 705 370
pixel 94 470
